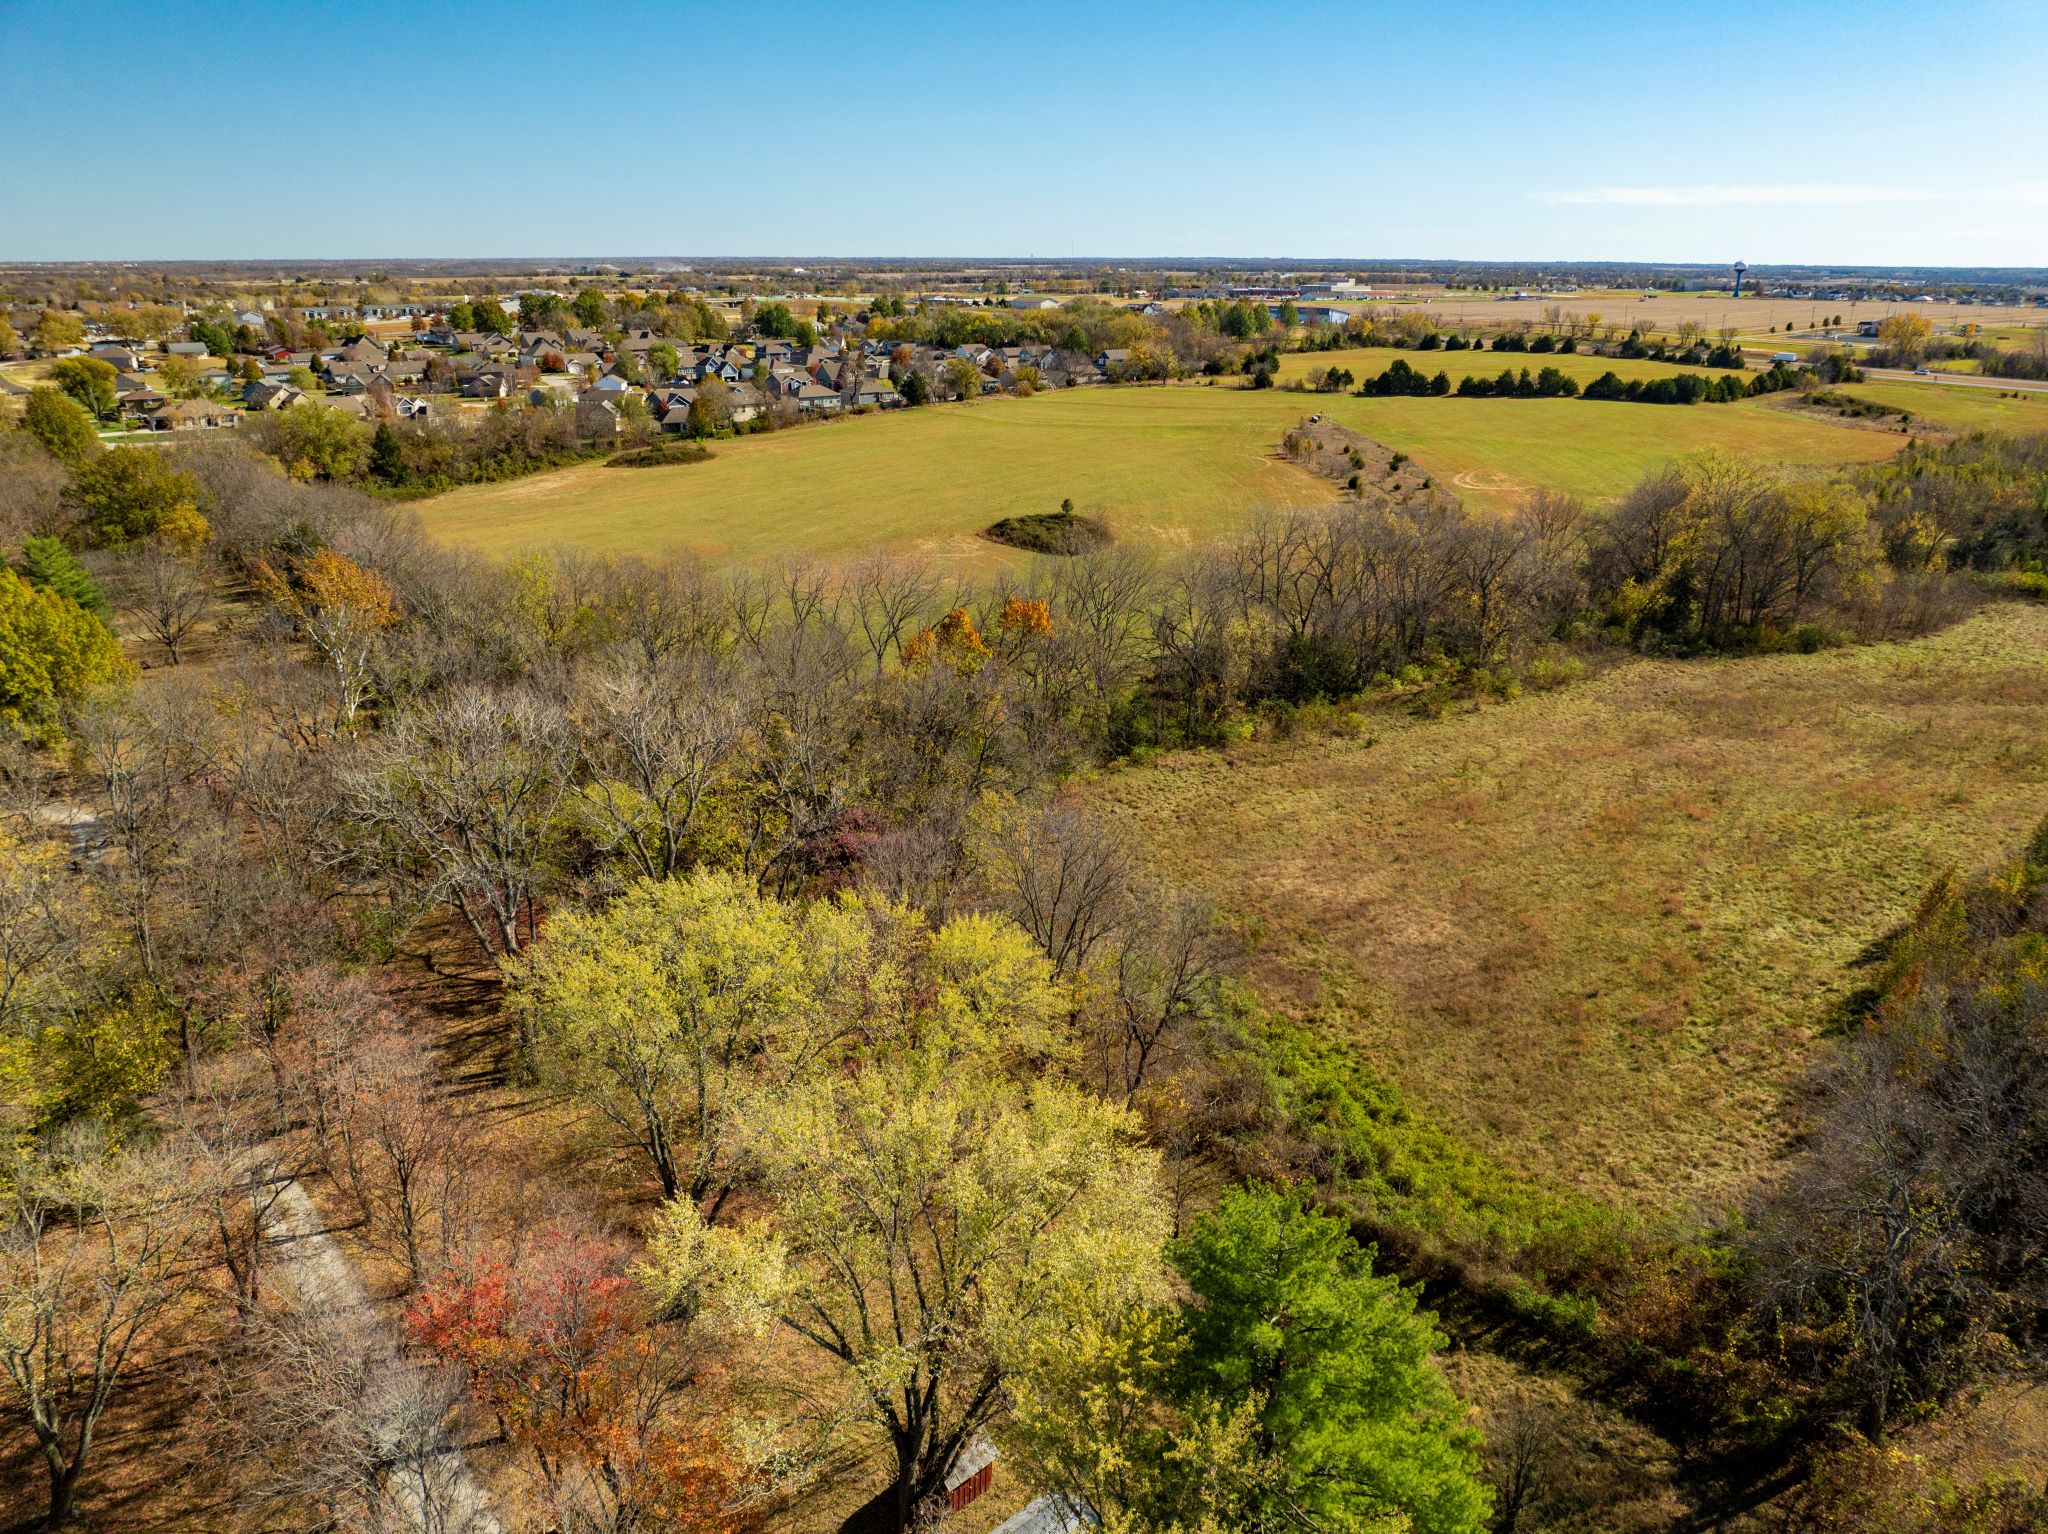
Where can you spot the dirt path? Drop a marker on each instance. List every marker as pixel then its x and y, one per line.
pixel 431 1488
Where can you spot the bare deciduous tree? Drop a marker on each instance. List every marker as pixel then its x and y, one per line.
pixel 92 1262
pixel 167 591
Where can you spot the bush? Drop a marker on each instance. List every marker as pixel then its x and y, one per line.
pixel 1050 532
pixel 656 455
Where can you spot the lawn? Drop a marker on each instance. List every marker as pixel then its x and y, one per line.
pixel 1165 467
pixel 1596 931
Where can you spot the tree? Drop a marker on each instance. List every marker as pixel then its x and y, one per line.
pixel 301 378
pixel 180 377
pixel 52 652
pixel 313 441
pixel 342 609
pixel 1288 1318
pixel 711 410
pixel 916 387
pixel 665 1009
pixel 462 797
pixel 387 454
pixel 47 564
pixel 1905 336
pixel 560 1349
pixel 60 423
pixel 963 378
pixel 931 1226
pixel 663 360
pixel 655 747
pixel 89 381
pixel 589 308
pixel 10 343
pixel 127 493
pixel 91 1266
pixel 490 316
pixel 57 331
pixel 168 591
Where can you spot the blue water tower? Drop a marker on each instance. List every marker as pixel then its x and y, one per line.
pixel 1740 268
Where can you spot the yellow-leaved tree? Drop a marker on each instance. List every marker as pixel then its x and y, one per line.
pixel 680 1008
pixel 933 1223
pixel 52 652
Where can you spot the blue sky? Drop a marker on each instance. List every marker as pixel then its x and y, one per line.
pixel 1799 131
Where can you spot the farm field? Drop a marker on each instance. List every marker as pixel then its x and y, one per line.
pixel 1165 466
pixel 1597 931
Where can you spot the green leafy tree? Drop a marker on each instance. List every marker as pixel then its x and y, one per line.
pixel 302 379
pixel 1289 1319
pixel 963 378
pixel 589 308
pixel 57 331
pixel 46 564
pixel 52 652
pixel 10 343
pixel 461 317
pixel 61 424
pixel 491 316
pixel 663 360
pixel 89 381
pixel 127 493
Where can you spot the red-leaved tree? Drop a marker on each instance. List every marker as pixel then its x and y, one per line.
pixel 607 1402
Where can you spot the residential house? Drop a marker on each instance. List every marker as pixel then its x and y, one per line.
pixel 272 396
pixel 597 415
pixel 191 415
pixel 872 394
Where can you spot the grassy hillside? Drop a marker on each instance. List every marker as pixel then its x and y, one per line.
pixel 1595 932
pixel 1164 466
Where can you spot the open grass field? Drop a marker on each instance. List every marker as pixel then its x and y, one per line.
pixel 1493 451
pixel 1367 361
pixel 1596 931
pixel 1960 409
pixel 1165 466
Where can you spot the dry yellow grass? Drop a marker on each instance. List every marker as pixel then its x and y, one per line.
pixel 1595 932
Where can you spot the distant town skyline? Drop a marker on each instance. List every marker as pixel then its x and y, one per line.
pixel 1785 134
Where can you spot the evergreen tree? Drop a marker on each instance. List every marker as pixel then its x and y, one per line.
pixel 387 456
pixel 46 564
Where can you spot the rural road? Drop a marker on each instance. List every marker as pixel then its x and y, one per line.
pixel 433 1491
pixel 1956 380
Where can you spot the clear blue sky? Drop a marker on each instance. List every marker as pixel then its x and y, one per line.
pixel 1796 131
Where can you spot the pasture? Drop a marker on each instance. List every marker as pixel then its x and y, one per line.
pixel 1166 467
pixel 1597 932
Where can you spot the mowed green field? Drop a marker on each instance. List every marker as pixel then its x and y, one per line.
pixel 1960 408
pixel 1369 361
pixel 1165 466
pixel 1492 452
pixel 1597 932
